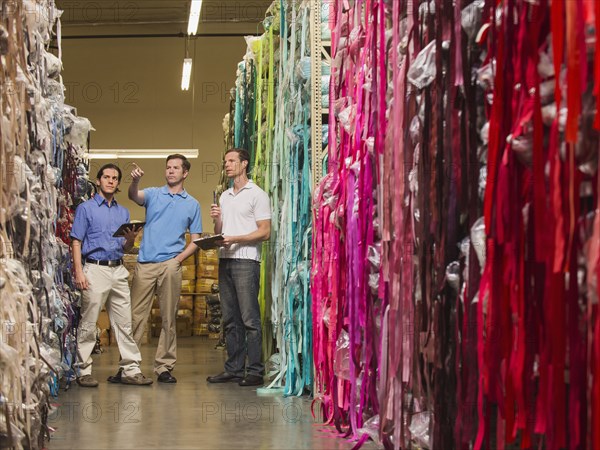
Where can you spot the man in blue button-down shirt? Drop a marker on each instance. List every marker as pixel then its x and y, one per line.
pixel 102 278
pixel 170 212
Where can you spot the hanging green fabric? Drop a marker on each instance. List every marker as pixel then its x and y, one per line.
pixel 249 143
pixel 259 108
pixel 262 171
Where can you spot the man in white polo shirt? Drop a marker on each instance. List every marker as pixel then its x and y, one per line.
pixel 244 217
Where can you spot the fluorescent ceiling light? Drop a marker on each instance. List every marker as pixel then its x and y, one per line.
pixel 154 153
pixel 195 8
pixel 186 74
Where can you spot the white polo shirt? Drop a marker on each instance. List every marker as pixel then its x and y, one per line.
pixel 239 214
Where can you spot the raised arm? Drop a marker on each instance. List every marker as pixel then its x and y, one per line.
pixel 134 192
pixel 215 213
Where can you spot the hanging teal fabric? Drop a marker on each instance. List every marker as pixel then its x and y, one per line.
pixel 239 111
pixel 277 204
pixel 272 120
pixel 250 141
pixel 290 188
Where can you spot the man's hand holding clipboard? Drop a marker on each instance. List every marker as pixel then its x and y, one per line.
pixel 131 226
pixel 209 242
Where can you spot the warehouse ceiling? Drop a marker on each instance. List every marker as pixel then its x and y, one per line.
pixel 89 18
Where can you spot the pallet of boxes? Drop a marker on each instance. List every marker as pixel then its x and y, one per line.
pixel 207 313
pixel 186 300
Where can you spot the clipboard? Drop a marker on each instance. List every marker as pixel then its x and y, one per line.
pixel 209 242
pixel 135 226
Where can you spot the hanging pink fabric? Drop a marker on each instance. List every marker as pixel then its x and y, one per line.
pixel 596 382
pixel 594 313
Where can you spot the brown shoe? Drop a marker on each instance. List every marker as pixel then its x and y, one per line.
pixel 138 379
pixel 87 381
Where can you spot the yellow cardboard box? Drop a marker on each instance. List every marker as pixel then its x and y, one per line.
pixel 204 285
pixel 187 286
pixel 188 272
pixel 208 257
pixel 208 271
pixel 186 302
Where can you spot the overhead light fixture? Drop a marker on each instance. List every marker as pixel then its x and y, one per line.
pixel 186 74
pixel 195 8
pixel 154 153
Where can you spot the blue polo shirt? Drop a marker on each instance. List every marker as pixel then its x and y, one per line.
pixel 168 217
pixel 95 223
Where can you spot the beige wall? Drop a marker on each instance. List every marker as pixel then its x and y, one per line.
pixel 130 91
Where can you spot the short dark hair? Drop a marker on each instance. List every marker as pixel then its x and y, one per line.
pixel 109 166
pixel 243 155
pixel 184 161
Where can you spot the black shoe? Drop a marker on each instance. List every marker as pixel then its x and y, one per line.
pixel 252 380
pixel 224 377
pixel 166 377
pixel 116 378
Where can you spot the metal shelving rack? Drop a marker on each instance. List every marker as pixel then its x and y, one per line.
pixel 318 53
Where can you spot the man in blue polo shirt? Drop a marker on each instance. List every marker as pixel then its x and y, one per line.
pixel 102 278
pixel 170 212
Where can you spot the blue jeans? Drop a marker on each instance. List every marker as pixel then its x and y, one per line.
pixel 239 281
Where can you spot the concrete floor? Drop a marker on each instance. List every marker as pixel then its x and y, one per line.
pixel 191 414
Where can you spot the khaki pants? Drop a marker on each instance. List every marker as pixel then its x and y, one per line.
pixel 164 279
pixel 107 285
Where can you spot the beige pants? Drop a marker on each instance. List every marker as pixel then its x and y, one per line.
pixel 164 279
pixel 107 285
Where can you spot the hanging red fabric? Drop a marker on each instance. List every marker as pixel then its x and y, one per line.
pixel 574 64
pixel 597 66
pixel 494 144
pixel 539 160
pixel 558 45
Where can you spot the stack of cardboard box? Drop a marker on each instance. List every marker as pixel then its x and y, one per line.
pixel 185 310
pixel 207 274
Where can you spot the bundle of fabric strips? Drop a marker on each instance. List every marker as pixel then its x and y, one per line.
pixel 41 146
pixel 456 233
pixel 272 121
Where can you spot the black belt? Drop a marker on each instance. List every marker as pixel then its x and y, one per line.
pixel 106 262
